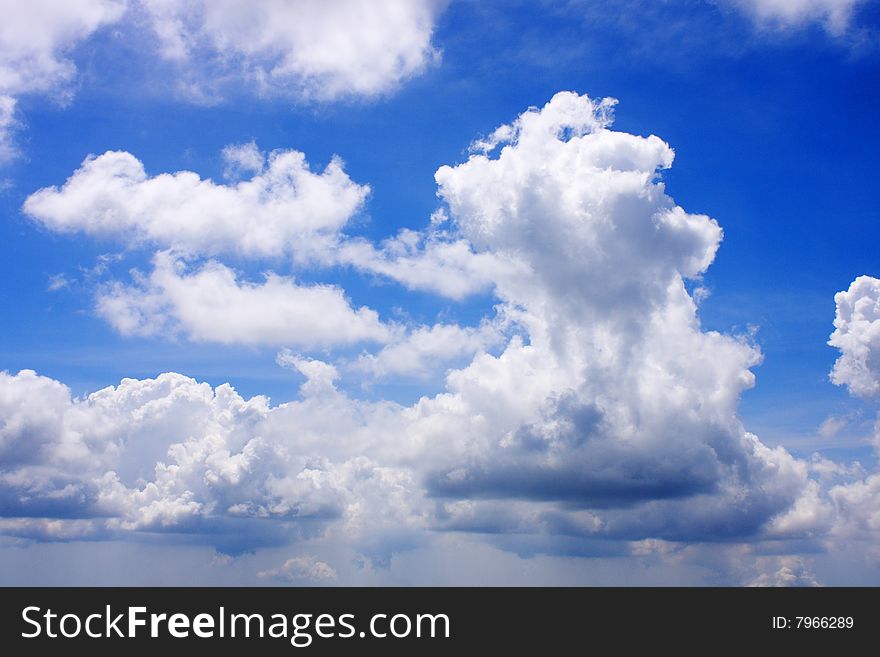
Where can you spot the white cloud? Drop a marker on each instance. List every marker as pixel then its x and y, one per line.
pixel 301 569
pixel 830 470
pixel 283 209
pixel 610 414
pixel 857 506
pixel 619 401
pixel 422 350
pixel 243 159
pixel 857 336
pixel 434 261
pixel 835 15
pixel 33 430
pixel 832 425
pixel 314 49
pixel 171 454
pixel 35 38
pixel 320 376
pixel 58 282
pixel 211 304
pixel 310 49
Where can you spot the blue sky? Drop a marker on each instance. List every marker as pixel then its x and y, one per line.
pixel 772 118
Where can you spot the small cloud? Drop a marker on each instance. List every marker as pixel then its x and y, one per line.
pixel 832 425
pixel 301 569
pixel 836 16
pixel 58 282
pixel 784 571
pixel 700 294
pixel 222 559
pixel 243 159
pixel 439 217
pixel 320 376
pixel 102 264
pixel 827 469
pixel 653 547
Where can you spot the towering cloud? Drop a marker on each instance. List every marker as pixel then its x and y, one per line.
pixel 619 405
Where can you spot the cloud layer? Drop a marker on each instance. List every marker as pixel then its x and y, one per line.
pixel 591 406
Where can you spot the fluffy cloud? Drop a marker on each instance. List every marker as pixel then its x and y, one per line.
pixel 211 304
pixel 283 208
pixel 433 261
pixel 243 159
pixel 271 207
pixel 857 336
pixel 311 49
pixel 34 39
pixel 858 506
pixel 173 455
pixel 835 15
pixel 609 413
pixel 320 376
pixel 316 49
pixel 618 417
pixel 35 36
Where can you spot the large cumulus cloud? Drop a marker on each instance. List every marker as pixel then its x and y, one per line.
pixel 619 403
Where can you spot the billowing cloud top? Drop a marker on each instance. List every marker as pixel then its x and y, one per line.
pixel 857 335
